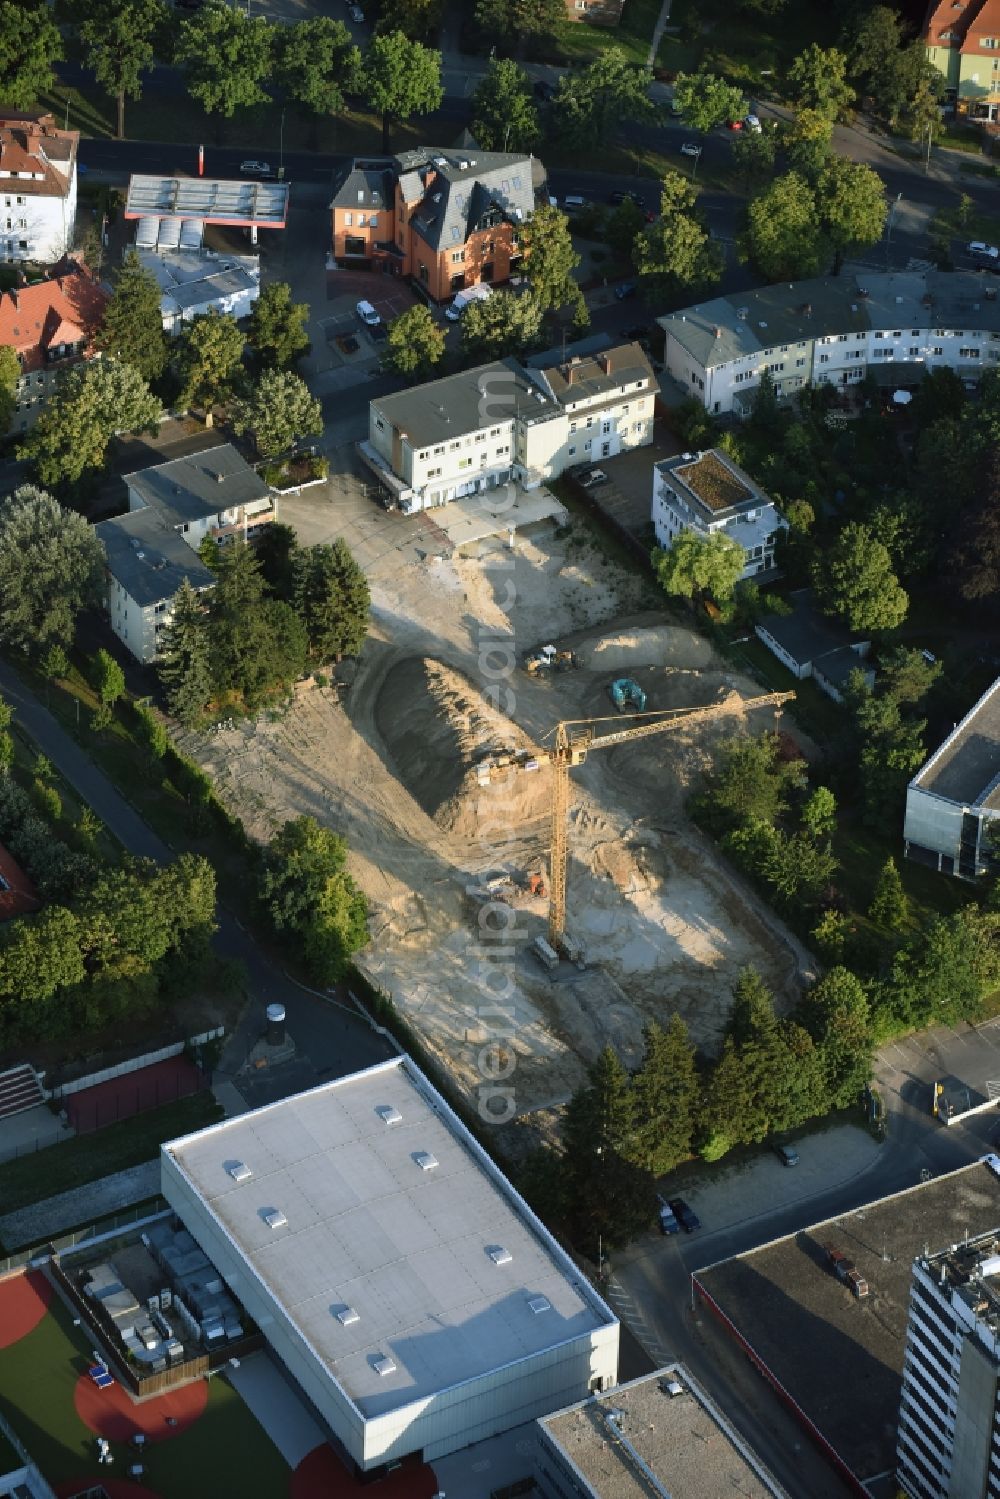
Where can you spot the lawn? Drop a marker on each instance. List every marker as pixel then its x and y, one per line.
pixel 745 47
pixel 225 1451
pixel 31 1178
pixel 579 43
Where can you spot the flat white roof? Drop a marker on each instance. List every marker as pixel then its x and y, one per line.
pixel 398 1222
pixel 240 202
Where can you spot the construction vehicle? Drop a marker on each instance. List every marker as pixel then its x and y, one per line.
pixel 573 740
pixel 546 658
pixel 536 886
pixel 627 694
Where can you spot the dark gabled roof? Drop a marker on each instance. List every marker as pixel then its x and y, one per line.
pixel 597 375
pixel 364 184
pixel 149 558
pixel 806 634
pixel 200 485
pixel 454 189
pixel 581 348
pixel 443 410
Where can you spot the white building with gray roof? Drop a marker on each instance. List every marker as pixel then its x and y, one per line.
pixel 395 1273
pixel 708 492
pixel 953 799
pixel 832 331
pixel 194 281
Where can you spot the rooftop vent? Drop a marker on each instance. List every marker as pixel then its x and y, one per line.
pixel 899 301
pixel 219 478
pixel 239 1171
pixel 539 1304
pixel 762 324
pixel 383 1364
pixel 425 1160
pixel 499 1255
pixel 389 1114
pixel 275 1218
pixel 347 1316
pixel 742 313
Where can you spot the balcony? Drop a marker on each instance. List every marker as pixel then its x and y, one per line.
pixel 248 524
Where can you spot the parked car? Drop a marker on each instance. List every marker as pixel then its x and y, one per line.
pixel 626 289
pixel 378 332
pixel 985 251
pixel 690 148
pixel 255 168
pixel 366 312
pixel 787 1154
pixel 627 195
pixel 686 1216
pixel 593 477
pixel 356 13
pixel 668 1223
pixel 752 123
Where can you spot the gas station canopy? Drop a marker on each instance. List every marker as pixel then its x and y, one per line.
pixel 247 205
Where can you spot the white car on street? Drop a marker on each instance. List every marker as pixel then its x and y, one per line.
pixel 690 148
pixel 983 250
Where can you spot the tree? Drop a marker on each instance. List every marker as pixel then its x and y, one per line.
pixel 227 56
pixel 419 19
pixel 622 226
pixel 819 76
pixel 108 678
pixel 504 117
pixel 889 907
pixel 854 581
pixel 317 62
pixel 819 814
pixel 906 675
pixel 611 1199
pixel 752 1015
pixel 850 198
pixel 808 142
pixel 91 404
pixel 120 45
pixel 922 114
pixel 280 409
pixel 257 643
pixel 331 597
pixel 30 45
pixel 184 659
pixel 753 154
pixel 500 325
pixel 590 105
pixel 415 342
pixel 666 1090
pixel 748 782
pixel 675 253
pixel 132 330
pixel 975 561
pixel 710 565
pixel 10 375
pixel 312 900
pixel 785 235
pixel 891 751
pixel 51 568
pixel 401 79
pixel 531 20
pixel 276 549
pixel 210 351
pixel 278 325
pixel 836 1014
pixel 550 260
pixel 705 100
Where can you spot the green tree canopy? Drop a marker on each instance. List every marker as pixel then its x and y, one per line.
pixel 278 326
pixel 317 63
pixel 227 56
pixel 808 141
pixel 705 100
pixel 209 354
pixel 107 677
pixel 415 342
pixel 819 813
pixel 550 260
pixel 132 330
pixel 419 19
pixel 312 900
pixel 92 403
pixel 785 234
pixel 854 581
pixel 51 568
pixel 590 105
pixel 710 565
pixel 675 253
pixel 819 76
pixel 30 45
pixel 850 199
pixel 753 155
pixel 502 21
pixel 502 324
pixel 610 1198
pixel 401 79
pixel 120 46
pixel 280 409
pixel 504 117
pixel 835 1011
pixel 184 659
pixel 666 1090
pixel 258 643
pixel 331 597
pixel 889 907
pixel 749 782
pixel 10 375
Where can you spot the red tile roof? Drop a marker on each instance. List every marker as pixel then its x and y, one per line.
pixel 18 896
pixel 953 16
pixel 32 143
pixel 65 309
pixel 983 20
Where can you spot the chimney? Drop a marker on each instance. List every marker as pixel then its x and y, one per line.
pixel 568 373
pixel 605 362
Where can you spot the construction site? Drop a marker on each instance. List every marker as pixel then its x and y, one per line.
pixel 444 765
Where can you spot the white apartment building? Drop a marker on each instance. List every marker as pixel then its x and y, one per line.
pixel 953 799
pixel 509 422
pixel 37 188
pixel 153 548
pixel 706 492
pixel 832 331
pixel 948 1437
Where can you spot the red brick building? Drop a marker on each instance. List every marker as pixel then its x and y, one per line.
pixel 597 12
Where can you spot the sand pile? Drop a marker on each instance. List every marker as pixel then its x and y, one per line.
pixel 437 727
pixel 661 645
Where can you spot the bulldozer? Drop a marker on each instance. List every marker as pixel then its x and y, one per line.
pixel 536 886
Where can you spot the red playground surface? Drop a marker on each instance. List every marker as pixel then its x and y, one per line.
pixel 132 1093
pixel 321 1475
pixel 110 1413
pixel 24 1300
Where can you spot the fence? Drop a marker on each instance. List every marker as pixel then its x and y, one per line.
pixel 136 1064
pixel 153 1088
pixel 101 1228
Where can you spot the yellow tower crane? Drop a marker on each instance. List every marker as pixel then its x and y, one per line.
pixel 573 741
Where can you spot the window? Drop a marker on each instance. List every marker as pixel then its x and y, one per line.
pixel 880 335
pixel 841 339
pixel 799 363
pixel 968 353
pixel 571 451
pixel 349 220
pixel 572 427
pixel 465 463
pixel 380 424
pixel 897 333
pixel 914 332
pixel 914 350
pixel 433 473
pixel 457 256
pixel 937 349
pixel 824 359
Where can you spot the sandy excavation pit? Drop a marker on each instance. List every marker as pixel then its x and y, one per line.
pixel 667 926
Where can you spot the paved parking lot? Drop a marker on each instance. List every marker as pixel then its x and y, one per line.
pixel 966 1059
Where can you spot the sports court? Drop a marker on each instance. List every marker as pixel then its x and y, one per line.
pixel 133 1093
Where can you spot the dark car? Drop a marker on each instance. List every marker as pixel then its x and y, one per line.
pixel 668 1223
pixel 627 195
pixel 625 290
pixel 787 1154
pixel 686 1217
pixel 378 334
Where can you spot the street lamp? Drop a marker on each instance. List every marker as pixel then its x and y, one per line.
pixel 888 227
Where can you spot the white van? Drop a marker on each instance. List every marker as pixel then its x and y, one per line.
pixel 479 293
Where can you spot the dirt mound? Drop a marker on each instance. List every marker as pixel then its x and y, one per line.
pixel 437 727
pixel 659 645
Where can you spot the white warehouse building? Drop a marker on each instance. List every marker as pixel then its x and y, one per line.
pixel 832 331
pixel 952 800
pixel 408 1290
